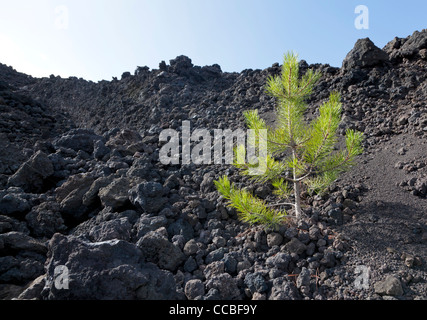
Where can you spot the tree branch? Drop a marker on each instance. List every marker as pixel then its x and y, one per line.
pixel 347 158
pixel 281 204
pixel 325 137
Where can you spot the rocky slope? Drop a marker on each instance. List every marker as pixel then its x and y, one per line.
pixel 82 188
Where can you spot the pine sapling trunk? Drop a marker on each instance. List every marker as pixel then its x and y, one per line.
pixel 297 190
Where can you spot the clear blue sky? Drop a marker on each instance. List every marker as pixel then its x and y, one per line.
pixel 99 39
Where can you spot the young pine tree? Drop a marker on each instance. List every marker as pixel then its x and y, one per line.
pixel 300 155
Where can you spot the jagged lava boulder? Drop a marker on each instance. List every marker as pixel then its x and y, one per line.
pixel 364 54
pixel 108 270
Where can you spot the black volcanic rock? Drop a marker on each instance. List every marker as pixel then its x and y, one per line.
pixel 364 54
pixel 78 139
pixel 112 269
pixel 32 175
pixel 410 47
pixel 180 64
pixel 12 78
